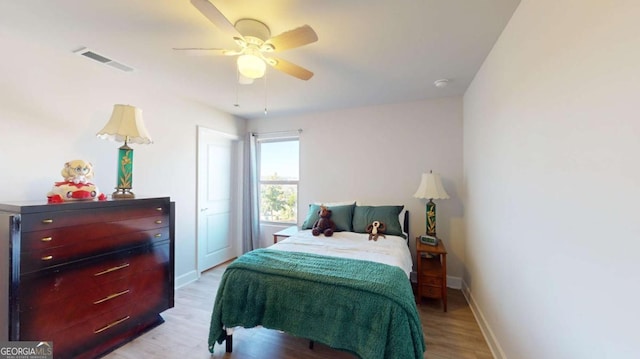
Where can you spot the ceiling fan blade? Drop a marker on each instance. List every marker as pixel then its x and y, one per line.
pixel 206 51
pixel 290 68
pixel 293 38
pixel 216 17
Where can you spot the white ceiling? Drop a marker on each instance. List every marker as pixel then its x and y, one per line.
pixel 369 51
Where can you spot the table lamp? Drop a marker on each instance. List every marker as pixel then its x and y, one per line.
pixel 126 126
pixel 431 188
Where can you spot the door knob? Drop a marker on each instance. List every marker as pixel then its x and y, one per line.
pixel 203 209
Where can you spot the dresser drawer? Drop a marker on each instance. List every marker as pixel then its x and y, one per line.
pixel 79 340
pixel 57 219
pixel 89 233
pixel 119 296
pixel 61 249
pixel 54 303
pixel 48 286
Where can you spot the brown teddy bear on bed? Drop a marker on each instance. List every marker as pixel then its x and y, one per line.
pixel 324 224
pixel 375 229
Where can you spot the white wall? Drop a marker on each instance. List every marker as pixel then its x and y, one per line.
pixel 551 144
pixel 53 102
pixel 375 155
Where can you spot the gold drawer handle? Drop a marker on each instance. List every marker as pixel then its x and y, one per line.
pixel 46 239
pixel 158 235
pixel 158 222
pixel 111 325
pixel 47 221
pixel 109 297
pixel 47 258
pixel 111 269
pixel 159 209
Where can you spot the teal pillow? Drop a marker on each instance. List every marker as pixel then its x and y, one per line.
pixel 342 216
pixel 365 215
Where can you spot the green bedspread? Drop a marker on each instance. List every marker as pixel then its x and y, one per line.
pixel 363 307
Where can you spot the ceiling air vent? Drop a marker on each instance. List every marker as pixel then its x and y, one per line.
pixel 103 59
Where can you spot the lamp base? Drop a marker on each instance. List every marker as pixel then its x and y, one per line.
pixel 123 193
pixel 431 218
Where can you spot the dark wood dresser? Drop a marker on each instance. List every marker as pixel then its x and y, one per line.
pixel 88 276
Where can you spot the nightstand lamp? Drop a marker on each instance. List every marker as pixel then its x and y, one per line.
pixel 126 126
pixel 431 188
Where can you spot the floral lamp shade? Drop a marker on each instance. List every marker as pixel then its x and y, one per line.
pixel 125 125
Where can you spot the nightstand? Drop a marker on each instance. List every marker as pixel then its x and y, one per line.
pixel 284 233
pixel 432 271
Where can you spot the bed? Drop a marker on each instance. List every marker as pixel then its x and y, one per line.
pixel 346 291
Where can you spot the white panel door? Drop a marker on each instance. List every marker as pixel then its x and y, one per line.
pixel 217 198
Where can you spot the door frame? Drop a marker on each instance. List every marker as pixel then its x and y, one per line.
pixel 236 202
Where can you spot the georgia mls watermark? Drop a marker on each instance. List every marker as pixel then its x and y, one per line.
pixel 26 350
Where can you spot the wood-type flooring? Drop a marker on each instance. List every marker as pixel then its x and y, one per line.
pixel 451 335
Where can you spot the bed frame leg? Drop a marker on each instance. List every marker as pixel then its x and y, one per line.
pixel 229 343
pixel 311 344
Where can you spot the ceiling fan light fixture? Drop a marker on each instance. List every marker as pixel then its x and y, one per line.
pixel 251 66
pixel 243 80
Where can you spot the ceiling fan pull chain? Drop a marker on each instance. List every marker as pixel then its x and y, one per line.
pixel 237 104
pixel 265 94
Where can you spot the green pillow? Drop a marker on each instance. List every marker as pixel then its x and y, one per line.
pixel 341 215
pixel 365 215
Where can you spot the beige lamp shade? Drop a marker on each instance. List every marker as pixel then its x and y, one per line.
pixel 431 187
pixel 125 125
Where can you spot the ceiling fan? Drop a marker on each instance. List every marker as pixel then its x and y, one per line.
pixel 255 42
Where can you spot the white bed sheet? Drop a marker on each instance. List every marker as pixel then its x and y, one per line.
pixel 391 250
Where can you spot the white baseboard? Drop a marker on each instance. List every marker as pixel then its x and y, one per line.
pixel 185 279
pixel 493 343
pixel 454 282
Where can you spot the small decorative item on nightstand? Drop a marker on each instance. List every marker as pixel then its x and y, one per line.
pixel 430 240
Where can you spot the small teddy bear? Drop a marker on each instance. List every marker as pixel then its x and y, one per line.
pixel 375 229
pixel 324 224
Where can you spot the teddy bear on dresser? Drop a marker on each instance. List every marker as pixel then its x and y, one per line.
pixel 324 224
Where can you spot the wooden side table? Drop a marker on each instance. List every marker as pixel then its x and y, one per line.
pixel 284 233
pixel 432 271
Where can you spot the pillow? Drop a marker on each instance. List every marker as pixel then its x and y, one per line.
pixel 332 204
pixel 342 216
pixel 365 215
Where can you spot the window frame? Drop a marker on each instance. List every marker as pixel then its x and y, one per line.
pixel 260 142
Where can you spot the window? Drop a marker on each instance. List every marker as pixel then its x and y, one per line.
pixel 279 174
